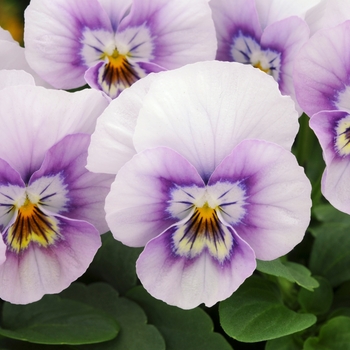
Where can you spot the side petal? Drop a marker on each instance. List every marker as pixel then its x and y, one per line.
pixel 286 36
pixel 205 109
pixel 86 191
pixel 231 18
pixel 53 34
pixel 322 69
pixel 186 283
pixel 137 205
pixel 33 119
pixel 26 277
pixel 182 31
pixel 111 143
pixel 277 203
pixel 324 125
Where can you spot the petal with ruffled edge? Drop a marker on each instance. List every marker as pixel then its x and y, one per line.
pixel 34 119
pixel 53 34
pixel 14 78
pixel 277 204
pixel 185 282
pixel 332 130
pixel 137 205
pixel 205 109
pixel 287 37
pixel 111 143
pixel 322 71
pixel 231 18
pixel 182 31
pixel 26 277
pixel 86 191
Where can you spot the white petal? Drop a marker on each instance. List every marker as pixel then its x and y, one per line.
pixel 204 110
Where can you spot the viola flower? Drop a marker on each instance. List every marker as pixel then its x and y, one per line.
pixel 211 185
pixel 51 207
pixel 266 34
pixel 332 129
pixel 114 43
pixel 12 57
pixel 322 72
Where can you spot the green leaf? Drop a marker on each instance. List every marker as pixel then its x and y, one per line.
pixel 255 312
pixel 181 329
pixel 320 300
pixel 289 342
pixel 333 335
pixel 327 213
pixel 291 271
pixel 330 256
pixel 115 263
pixel 135 333
pixel 53 320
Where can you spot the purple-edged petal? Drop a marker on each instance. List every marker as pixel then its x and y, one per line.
pixel 86 191
pixel 322 71
pixel 53 33
pixel 137 205
pixel 111 143
pixel 277 204
pixel 324 125
pixel 204 110
pixel 14 78
pixel 331 129
pixel 231 18
pixel 34 119
pixel 26 277
pixel 185 282
pixel 182 32
pixel 287 37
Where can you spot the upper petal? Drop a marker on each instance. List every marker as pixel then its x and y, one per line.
pixel 271 11
pixel 204 110
pixel 182 30
pixel 277 204
pixel 112 138
pixel 33 119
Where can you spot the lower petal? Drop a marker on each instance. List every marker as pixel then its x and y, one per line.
pixel 188 282
pixel 27 276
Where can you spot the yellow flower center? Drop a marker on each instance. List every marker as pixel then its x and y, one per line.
pixel 31 225
pixel 203 230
